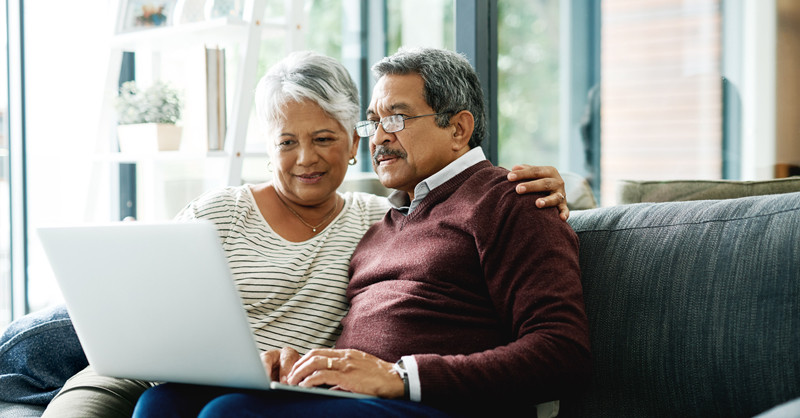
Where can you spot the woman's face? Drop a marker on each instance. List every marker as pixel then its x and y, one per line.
pixel 310 152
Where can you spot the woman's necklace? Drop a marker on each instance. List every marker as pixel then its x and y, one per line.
pixel 313 228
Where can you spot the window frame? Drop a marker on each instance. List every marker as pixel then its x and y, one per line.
pixel 17 159
pixel 476 37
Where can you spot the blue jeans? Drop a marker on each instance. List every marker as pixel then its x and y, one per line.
pixel 173 400
pixel 38 353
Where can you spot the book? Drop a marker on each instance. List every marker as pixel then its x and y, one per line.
pixel 216 114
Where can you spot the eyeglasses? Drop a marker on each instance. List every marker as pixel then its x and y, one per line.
pixel 391 124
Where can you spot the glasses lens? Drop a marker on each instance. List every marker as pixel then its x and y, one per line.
pixel 366 128
pixel 393 123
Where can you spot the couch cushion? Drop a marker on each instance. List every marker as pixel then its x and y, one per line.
pixel 694 307
pixel 630 191
pixel 17 410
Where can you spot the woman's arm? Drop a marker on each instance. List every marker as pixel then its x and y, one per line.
pixel 544 179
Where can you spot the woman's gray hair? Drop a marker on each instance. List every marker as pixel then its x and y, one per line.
pixel 306 75
pixel 451 84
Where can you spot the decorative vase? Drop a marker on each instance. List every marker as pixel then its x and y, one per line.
pixel 149 137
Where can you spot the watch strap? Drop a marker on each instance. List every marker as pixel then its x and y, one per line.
pixel 400 369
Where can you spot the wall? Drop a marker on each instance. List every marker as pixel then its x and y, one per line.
pixel 787 149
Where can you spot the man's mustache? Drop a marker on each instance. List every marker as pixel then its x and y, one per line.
pixel 381 150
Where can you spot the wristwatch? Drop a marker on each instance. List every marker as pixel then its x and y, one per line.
pixel 400 369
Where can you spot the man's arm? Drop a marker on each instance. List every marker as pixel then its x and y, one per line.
pixel 349 370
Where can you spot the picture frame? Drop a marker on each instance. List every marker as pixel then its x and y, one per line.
pixel 135 15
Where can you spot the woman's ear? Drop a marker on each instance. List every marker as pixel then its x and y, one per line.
pixel 464 124
pixel 354 149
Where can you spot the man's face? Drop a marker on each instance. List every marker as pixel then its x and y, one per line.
pixel 403 159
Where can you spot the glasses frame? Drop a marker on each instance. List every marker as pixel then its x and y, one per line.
pixel 399 120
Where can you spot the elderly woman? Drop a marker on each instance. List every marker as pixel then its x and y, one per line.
pixel 289 241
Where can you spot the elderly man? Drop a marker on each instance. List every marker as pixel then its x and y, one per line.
pixel 463 300
pixel 477 297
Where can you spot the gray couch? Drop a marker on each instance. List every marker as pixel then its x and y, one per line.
pixel 694 308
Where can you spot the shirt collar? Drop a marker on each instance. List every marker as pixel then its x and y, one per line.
pixel 400 200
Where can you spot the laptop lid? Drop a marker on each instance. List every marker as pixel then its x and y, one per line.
pixel 156 302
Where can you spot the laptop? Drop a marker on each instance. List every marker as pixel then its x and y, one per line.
pixel 156 302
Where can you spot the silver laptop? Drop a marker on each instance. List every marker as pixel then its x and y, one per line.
pixel 156 301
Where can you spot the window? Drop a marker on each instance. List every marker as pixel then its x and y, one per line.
pixel 658 102
pixel 661 95
pixel 64 61
pixel 5 192
pixel 528 82
pixel 407 25
pixel 671 89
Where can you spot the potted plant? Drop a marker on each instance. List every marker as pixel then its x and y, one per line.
pixel 147 118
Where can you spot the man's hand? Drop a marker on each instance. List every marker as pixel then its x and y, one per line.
pixel 349 370
pixel 546 179
pixel 279 363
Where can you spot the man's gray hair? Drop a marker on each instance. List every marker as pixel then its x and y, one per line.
pixel 451 84
pixel 306 75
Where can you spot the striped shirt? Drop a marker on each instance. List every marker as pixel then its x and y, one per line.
pixel 294 292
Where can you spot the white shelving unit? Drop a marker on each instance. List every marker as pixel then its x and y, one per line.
pixel 245 34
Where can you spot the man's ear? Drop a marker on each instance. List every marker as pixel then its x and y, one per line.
pixel 463 123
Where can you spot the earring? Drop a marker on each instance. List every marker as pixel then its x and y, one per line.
pixel 352 161
pixel 269 165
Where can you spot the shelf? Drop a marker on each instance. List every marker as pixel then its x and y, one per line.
pixel 190 170
pixel 216 31
pixel 122 157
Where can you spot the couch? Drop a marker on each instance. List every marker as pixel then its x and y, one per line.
pixel 694 309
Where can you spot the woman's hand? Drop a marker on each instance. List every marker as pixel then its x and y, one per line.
pixel 546 179
pixel 349 370
pixel 279 363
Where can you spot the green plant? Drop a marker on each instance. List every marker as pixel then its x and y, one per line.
pixel 161 103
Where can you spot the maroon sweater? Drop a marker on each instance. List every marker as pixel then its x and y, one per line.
pixel 481 287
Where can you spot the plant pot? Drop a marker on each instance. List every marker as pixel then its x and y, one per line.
pixel 149 137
